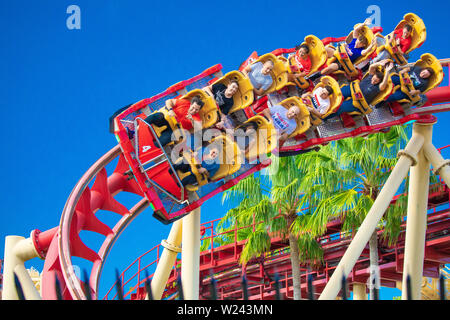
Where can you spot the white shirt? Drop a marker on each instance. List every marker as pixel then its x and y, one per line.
pixel 280 120
pixel 321 105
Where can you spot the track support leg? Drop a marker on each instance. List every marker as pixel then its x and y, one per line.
pixel 190 255
pixel 167 260
pixel 440 165
pixel 17 251
pixel 416 222
pixel 348 261
pixel 359 291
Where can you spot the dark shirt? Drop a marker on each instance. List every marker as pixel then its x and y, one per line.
pixel 224 103
pixel 369 90
pixel 418 82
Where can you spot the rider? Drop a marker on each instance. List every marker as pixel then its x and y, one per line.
pixel 302 65
pixel 420 77
pixel 370 86
pixel 282 119
pixel 402 39
pixel 320 99
pixel 183 110
pixel 259 75
pixel 208 164
pixel 224 98
pixel 358 47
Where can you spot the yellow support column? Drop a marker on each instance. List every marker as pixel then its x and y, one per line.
pixel 17 251
pixel 440 165
pixel 416 222
pixel 167 260
pixel 190 255
pixel 359 291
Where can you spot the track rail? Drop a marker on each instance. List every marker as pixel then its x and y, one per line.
pixel 79 215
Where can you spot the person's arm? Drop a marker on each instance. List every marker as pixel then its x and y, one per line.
pixel 404 69
pixel 307 94
pixel 219 125
pixel 247 70
pixel 314 111
pixel 283 138
pixel 373 67
pixel 383 83
pixel 197 125
pixel 370 47
pixel 208 90
pixel 414 92
pixel 202 170
pixel 266 113
pixel 170 104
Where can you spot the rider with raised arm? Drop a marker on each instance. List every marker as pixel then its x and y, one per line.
pixel 370 86
pixel 358 47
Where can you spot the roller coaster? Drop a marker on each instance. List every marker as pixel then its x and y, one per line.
pixel 146 167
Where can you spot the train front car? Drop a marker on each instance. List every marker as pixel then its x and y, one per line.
pixel 149 162
pixel 152 164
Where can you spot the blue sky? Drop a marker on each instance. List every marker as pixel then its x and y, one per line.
pixel 58 87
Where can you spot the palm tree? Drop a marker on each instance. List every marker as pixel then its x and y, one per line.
pixel 275 199
pixel 345 178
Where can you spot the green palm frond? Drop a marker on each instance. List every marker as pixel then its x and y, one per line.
pixel 258 242
pixel 252 186
pixel 309 250
pixel 355 216
pixel 286 196
pixel 393 219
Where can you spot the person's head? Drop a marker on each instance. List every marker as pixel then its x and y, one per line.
pixel 303 50
pixel 361 42
pixel 377 78
pixel 232 88
pixel 292 112
pixel 425 73
pixel 326 92
pixel 407 30
pixel 213 150
pixel 196 105
pixel 267 67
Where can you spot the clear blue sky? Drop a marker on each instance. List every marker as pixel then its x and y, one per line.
pixel 58 87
